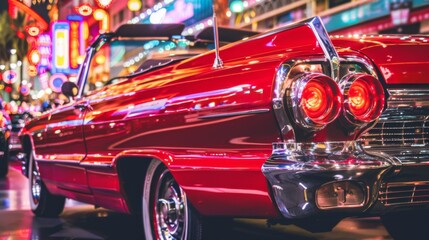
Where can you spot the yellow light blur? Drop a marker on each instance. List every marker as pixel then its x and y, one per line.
pixel 85 30
pixel 35 57
pixel 102 16
pixel 100 59
pixel 99 14
pixel 134 5
pixel 80 59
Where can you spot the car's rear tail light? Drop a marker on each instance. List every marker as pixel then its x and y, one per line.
pixel 316 100
pixel 363 98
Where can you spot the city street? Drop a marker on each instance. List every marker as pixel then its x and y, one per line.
pixel 81 221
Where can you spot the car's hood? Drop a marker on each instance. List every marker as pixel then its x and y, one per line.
pixel 401 59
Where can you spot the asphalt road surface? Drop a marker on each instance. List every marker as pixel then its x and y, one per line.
pixel 81 221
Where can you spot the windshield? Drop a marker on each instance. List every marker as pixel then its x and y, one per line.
pixel 115 60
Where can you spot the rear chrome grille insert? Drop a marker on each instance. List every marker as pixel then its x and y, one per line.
pixel 404 193
pixel 403 128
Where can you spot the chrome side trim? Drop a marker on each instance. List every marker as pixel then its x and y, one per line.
pixel 233 114
pixel 96 164
pixel 69 162
pixel 76 163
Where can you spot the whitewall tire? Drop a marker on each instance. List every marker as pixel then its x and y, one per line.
pixel 167 214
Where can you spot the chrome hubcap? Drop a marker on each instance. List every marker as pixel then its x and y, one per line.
pixel 170 209
pixel 35 185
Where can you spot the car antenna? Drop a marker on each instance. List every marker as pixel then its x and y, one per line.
pixel 217 62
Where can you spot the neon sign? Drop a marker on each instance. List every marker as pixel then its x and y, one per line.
pixel 44 44
pixel 32 30
pixel 103 3
pixel 34 57
pixel 60 51
pixel 75 41
pixel 84 9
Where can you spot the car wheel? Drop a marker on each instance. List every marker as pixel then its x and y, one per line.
pixel 4 163
pixel 407 225
pixel 167 214
pixel 42 203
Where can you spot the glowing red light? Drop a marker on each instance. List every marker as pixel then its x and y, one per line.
pixel 313 100
pixel 366 98
pixel 84 9
pixel 321 99
pixel 104 3
pixel 8 89
pixel 33 30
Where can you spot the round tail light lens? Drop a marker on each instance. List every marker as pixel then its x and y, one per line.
pixel 316 100
pixel 364 98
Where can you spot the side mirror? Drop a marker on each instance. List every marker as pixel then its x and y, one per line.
pixel 69 89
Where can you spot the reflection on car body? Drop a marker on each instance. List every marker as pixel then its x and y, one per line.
pixel 295 127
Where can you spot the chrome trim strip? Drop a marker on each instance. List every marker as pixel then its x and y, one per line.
pixel 405 193
pixel 70 162
pixel 396 184
pixel 328 48
pixel 96 164
pixel 232 114
pixel 306 156
pixel 83 72
pixel 406 98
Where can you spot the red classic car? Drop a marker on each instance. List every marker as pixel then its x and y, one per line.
pixel 290 125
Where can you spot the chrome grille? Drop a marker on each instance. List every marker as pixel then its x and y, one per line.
pixel 403 129
pixel 404 193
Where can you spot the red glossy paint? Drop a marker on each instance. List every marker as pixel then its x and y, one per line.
pixel 188 116
pixel 401 59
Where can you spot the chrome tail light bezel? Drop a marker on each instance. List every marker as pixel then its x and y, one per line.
pixel 378 104
pixel 295 96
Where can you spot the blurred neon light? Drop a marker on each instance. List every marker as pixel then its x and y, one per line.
pixel 84 9
pixel 60 39
pixel 104 3
pixel 40 21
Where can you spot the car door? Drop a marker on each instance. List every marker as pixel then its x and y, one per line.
pixel 64 137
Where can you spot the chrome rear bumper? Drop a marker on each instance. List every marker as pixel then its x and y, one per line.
pixel 311 179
